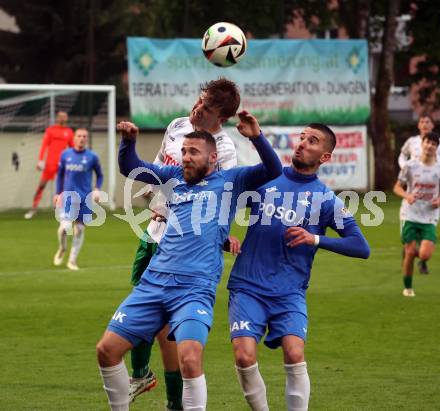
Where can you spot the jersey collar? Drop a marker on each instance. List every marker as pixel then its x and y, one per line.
pixel 294 175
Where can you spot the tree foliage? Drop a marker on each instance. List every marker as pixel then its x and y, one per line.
pixel 68 42
pixel 263 18
pixel 84 41
pixel 423 27
pixel 53 43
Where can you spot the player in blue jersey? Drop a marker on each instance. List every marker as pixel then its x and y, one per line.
pixel 179 284
pixel 270 277
pixel 218 101
pixel 74 195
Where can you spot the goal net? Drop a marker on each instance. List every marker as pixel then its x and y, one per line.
pixel 26 111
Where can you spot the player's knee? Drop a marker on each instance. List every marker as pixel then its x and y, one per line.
pixel 190 361
pixel 410 250
pixel 66 226
pixel 293 354
pixel 425 254
pixel 105 354
pixel 243 357
pixel 78 229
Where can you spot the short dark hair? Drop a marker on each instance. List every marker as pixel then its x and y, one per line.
pixel 203 135
pixel 328 133
pixel 223 94
pixel 426 114
pixel 432 136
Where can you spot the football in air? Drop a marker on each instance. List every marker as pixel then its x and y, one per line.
pixel 224 44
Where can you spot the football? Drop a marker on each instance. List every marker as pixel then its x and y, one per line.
pixel 224 44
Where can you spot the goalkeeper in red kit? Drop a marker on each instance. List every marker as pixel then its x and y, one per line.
pixel 56 139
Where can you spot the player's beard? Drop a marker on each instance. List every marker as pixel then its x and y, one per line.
pixel 195 174
pixel 301 165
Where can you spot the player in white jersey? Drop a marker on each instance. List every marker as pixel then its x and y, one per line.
pixel 412 150
pixel 418 184
pixel 218 101
pixel 170 154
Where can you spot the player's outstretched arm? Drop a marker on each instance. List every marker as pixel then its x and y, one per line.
pixel 271 165
pixel 128 159
pixel 248 125
pixel 129 131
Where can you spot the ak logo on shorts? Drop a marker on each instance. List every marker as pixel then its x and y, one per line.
pixel 237 326
pixel 118 316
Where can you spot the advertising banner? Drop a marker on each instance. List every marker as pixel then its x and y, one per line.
pixel 282 82
pixel 347 170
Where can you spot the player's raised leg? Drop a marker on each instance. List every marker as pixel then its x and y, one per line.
pixel 297 379
pixel 110 351
pixel 137 319
pixel 249 377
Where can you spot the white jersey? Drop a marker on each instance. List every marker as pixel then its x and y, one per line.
pixel 411 150
pixel 423 182
pixel 170 153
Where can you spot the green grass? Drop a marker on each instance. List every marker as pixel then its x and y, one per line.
pixel 368 349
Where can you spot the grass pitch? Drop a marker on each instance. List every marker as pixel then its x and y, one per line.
pixel 369 348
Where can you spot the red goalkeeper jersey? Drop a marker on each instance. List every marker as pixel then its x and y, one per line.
pixel 56 139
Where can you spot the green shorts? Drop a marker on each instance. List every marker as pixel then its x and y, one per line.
pixel 147 248
pixel 417 232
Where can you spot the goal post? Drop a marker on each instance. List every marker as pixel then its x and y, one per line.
pixel 14 117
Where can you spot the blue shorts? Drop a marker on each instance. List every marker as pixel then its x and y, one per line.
pixel 251 314
pixel 162 298
pixel 73 211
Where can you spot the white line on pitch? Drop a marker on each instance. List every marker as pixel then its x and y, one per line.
pixel 63 270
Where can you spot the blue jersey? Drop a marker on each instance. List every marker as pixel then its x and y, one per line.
pixel 266 264
pixel 75 172
pixel 200 214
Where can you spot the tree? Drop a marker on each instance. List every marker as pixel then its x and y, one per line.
pixel 380 125
pixel 424 22
pixel 68 42
pixel 377 22
pixel 263 18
